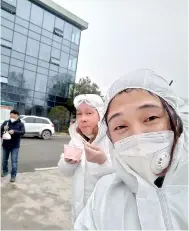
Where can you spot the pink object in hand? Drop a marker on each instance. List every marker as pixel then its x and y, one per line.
pixel 73 153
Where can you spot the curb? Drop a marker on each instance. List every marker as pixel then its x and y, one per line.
pixel 62 134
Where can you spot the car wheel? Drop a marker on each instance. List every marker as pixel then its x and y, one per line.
pixel 46 135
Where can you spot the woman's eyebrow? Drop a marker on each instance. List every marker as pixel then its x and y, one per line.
pixel 145 106
pixel 115 116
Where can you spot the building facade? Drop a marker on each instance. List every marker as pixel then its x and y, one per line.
pixel 39 52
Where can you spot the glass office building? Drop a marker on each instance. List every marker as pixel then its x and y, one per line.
pixel 39 52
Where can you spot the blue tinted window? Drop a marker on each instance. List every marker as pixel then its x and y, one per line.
pixel 17 63
pixel 56 45
pixel 71 76
pixel 54 67
pixel 46 40
pixel 57 38
pixel 75 46
pixel 62 70
pixel 30 67
pixel 43 64
pixel 66 43
pixel 47 34
pixel 6 33
pixel 34 35
pixel 5 59
pixel 22 22
pixel 23 9
pixel 68 31
pixel 31 60
pixel 30 93
pixel 21 29
pixel 11 2
pixel 5 51
pixel 55 53
pixel 49 96
pixel 42 70
pixel 13 97
pixel 41 83
pixel 38 102
pixel 51 91
pixel 32 47
pixel 39 95
pixel 35 28
pixel 27 100
pixel 50 104
pixel 52 73
pixel 7 23
pixel 59 23
pixel 74 53
pixel 29 79
pixel 64 60
pixel 48 22
pixel 44 52
pixel 65 49
pixel 52 82
pixel 62 90
pixel 17 55
pixel 7 15
pixel 4 69
pixel 76 35
pixel 72 63
pixel 19 42
pixel 15 76
pixel 36 15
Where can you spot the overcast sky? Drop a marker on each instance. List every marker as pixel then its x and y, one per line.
pixel 125 35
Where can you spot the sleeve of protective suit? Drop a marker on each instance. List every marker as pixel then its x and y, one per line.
pixel 107 167
pixel 65 168
pixel 86 219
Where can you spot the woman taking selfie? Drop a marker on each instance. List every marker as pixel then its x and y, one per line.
pixel 95 161
pixel 149 145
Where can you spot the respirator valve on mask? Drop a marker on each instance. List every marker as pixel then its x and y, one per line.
pixel 160 163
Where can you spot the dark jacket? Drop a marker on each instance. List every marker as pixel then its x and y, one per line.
pixel 19 130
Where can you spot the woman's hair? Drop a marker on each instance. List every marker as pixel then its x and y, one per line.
pixel 176 124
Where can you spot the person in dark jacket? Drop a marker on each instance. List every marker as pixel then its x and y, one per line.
pixel 16 129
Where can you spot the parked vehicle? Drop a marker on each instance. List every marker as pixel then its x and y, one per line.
pixel 38 126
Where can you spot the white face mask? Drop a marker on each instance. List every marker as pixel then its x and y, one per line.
pixel 148 154
pixel 12 120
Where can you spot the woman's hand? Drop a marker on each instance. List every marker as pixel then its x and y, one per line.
pixel 94 154
pixel 70 161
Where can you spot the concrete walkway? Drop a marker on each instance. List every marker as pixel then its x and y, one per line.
pixel 39 200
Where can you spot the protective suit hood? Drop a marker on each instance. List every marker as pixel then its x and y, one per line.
pixel 150 81
pixel 92 100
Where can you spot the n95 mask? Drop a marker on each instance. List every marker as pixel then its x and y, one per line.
pixel 148 154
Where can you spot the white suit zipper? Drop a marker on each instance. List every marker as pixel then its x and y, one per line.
pixel 165 210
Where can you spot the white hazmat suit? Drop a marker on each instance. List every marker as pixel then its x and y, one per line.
pixel 85 174
pixel 126 201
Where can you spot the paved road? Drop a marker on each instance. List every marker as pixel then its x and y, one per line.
pixel 39 200
pixel 38 153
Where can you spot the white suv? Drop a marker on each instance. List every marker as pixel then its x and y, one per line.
pixel 38 126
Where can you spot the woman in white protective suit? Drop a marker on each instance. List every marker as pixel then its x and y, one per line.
pixel 149 139
pixel 95 161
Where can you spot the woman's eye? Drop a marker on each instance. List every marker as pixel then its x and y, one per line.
pixel 119 128
pixel 89 113
pixel 151 118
